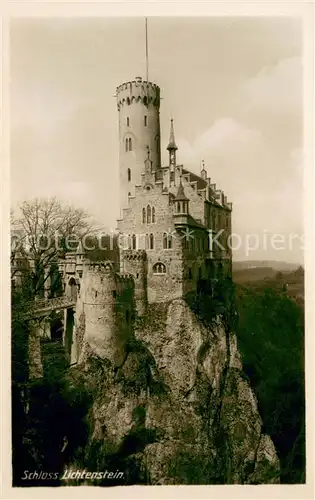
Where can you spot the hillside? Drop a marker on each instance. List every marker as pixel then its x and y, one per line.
pixel 274 264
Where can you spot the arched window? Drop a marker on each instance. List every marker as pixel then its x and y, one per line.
pixel 147 242
pixel 129 194
pixel 164 240
pixel 129 174
pixel 134 242
pixel 128 101
pixel 143 216
pixel 126 145
pixel 151 241
pixel 130 144
pixel 148 214
pixel 167 240
pixel 178 207
pixel 128 122
pixel 159 268
pixel 153 215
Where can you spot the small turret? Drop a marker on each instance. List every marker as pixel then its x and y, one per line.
pixel 203 171
pixel 181 203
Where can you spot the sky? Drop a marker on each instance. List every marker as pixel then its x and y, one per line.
pixel 233 85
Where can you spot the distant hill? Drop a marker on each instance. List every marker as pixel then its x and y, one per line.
pixel 250 274
pixel 292 281
pixel 274 264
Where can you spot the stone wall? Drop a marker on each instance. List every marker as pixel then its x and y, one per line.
pixel 104 312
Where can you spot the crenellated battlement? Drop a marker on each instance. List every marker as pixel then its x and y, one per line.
pixel 135 255
pixel 126 278
pixel 136 91
pixel 100 266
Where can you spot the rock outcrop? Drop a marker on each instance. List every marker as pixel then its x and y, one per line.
pixel 179 410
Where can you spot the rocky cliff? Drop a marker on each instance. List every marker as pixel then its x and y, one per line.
pixel 179 410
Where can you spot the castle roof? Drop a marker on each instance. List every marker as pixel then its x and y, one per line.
pixel 172 144
pixel 180 196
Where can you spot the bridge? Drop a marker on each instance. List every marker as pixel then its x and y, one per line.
pixel 40 307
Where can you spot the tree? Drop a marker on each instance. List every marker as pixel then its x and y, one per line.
pixel 44 231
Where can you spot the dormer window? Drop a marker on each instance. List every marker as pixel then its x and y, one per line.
pixel 182 207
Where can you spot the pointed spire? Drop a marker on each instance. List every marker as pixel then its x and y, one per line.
pixel 180 196
pixel 172 145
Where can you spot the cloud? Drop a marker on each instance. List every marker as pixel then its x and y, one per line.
pixel 229 149
pixel 276 88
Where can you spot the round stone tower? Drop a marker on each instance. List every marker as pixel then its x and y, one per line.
pixel 101 328
pixel 138 104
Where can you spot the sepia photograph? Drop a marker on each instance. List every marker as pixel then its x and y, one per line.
pixel 157 251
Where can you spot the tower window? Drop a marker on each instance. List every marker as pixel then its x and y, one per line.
pixel 145 120
pixel 143 216
pixel 128 121
pixel 153 215
pixel 127 145
pixel 130 144
pixel 129 174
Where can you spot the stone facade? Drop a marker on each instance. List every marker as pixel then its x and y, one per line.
pixel 178 218
pixel 169 231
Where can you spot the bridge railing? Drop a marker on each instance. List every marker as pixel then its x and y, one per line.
pixel 38 305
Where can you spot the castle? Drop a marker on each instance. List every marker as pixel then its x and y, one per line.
pixel 169 215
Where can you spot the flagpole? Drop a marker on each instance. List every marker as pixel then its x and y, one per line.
pixel 146 49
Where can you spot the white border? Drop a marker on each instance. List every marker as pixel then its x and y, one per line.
pixel 142 9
